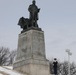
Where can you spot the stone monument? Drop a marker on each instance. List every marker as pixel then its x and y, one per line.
pixel 31 59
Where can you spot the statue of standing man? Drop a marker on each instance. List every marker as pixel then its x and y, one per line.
pixel 34 10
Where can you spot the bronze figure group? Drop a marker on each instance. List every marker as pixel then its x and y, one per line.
pixel 26 23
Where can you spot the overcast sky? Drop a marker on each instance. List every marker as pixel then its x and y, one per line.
pixel 57 18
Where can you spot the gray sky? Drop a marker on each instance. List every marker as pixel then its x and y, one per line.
pixel 57 18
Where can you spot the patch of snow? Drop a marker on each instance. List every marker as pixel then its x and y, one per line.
pixel 9 67
pixel 9 71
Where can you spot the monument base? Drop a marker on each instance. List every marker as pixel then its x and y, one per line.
pixel 31 59
pixel 33 67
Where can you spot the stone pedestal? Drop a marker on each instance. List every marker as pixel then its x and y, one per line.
pixel 31 57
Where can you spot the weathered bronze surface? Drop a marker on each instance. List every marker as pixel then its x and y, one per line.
pixel 31 22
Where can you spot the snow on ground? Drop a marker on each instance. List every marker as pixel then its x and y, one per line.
pixel 8 67
pixel 8 70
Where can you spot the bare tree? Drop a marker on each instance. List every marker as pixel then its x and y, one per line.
pixel 12 56
pixel 63 68
pixel 73 69
pixel 4 56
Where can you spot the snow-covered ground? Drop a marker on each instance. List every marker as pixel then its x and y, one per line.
pixel 8 70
